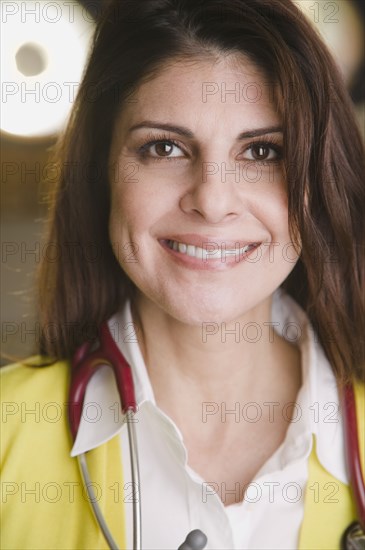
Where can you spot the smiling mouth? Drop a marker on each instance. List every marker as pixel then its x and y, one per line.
pixel 212 251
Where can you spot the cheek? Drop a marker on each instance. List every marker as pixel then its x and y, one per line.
pixel 135 210
pixel 141 198
pixel 271 208
pixel 123 235
pixel 129 204
pixel 281 222
pixel 281 254
pixel 123 212
pixel 280 208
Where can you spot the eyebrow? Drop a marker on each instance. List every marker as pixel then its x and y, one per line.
pixel 182 131
pixel 260 132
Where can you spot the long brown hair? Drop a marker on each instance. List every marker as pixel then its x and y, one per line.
pixel 323 158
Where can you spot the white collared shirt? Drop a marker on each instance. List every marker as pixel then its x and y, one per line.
pixel 175 499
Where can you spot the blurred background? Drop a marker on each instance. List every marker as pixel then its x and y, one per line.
pixel 44 48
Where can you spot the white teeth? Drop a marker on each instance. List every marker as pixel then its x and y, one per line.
pixel 203 254
pixel 191 250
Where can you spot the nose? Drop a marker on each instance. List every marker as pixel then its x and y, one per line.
pixel 213 194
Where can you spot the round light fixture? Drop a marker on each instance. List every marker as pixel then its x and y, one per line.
pixel 44 47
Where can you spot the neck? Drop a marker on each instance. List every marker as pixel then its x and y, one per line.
pixel 203 383
pixel 237 360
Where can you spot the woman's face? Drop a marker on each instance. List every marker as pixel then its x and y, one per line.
pixel 199 218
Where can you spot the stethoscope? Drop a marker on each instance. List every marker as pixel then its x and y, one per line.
pixel 87 361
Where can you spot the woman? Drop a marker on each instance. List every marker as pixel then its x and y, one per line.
pixel 210 209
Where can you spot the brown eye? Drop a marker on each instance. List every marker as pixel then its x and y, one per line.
pixel 260 152
pixel 163 148
pixel 264 151
pixel 159 149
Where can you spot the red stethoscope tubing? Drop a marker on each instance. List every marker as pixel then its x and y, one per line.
pixel 85 364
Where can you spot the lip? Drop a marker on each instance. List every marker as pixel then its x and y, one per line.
pixel 216 264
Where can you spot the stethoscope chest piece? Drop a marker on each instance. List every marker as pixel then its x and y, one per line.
pixel 353 538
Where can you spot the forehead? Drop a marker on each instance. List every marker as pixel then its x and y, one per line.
pixel 231 89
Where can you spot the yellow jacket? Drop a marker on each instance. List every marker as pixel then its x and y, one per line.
pixel 43 503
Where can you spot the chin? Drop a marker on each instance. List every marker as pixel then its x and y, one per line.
pixel 196 311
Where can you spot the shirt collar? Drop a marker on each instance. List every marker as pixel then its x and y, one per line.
pixel 318 397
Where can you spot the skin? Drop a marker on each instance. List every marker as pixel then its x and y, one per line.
pixel 173 300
